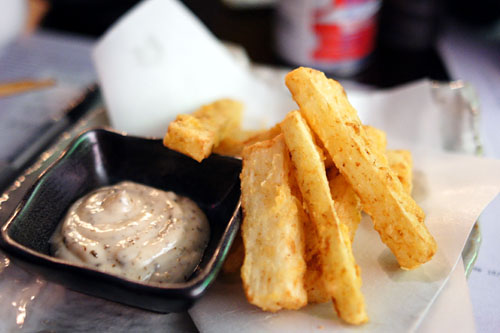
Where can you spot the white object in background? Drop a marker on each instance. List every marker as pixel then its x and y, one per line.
pixel 159 61
pixel 12 18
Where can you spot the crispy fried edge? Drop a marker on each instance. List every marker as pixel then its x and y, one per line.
pixel 347 203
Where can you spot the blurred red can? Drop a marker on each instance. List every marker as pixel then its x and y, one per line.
pixel 336 36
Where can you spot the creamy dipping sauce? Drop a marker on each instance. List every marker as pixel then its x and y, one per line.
pixel 135 231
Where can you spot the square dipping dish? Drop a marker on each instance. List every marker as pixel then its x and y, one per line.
pixel 99 158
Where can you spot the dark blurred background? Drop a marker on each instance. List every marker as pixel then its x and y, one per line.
pixel 405 42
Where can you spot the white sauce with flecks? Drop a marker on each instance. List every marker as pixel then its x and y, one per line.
pixel 135 231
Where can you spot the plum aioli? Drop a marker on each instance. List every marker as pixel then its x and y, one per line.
pixel 134 231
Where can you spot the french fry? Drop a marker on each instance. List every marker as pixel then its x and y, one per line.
pixel 273 268
pixel 339 272
pixel 396 216
pixel 346 201
pixel 313 281
pixel 376 135
pixel 197 134
pixel 401 163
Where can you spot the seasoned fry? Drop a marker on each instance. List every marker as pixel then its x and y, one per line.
pixel 347 203
pixel 401 163
pixel 396 216
pixel 313 282
pixel 195 135
pixel 273 268
pixel 377 136
pixel 339 271
pixel 313 279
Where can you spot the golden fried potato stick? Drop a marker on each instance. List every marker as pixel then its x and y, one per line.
pixel 346 201
pixel 273 268
pixel 313 281
pixel 400 161
pixel 376 135
pixel 396 216
pixel 340 273
pixel 195 135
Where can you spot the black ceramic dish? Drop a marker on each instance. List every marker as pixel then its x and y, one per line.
pixel 100 157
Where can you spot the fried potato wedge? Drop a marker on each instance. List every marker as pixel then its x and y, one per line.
pixel 274 267
pixel 396 216
pixel 346 201
pixel 401 162
pixel 313 280
pixel 340 273
pixel 197 134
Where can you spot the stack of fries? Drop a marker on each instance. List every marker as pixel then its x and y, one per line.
pixel 304 184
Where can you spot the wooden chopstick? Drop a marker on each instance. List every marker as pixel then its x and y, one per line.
pixel 18 87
